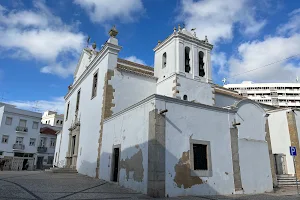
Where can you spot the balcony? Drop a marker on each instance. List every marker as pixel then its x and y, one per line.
pixel 18 147
pixel 42 149
pixel 21 129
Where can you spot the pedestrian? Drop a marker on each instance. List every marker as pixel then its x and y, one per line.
pixel 2 162
pixel 26 166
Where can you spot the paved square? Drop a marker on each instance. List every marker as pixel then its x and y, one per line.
pixel 26 185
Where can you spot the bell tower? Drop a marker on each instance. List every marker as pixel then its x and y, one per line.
pixel 183 59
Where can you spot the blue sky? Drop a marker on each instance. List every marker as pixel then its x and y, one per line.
pixel 41 41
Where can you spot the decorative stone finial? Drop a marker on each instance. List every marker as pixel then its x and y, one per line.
pixel 179 28
pixel 159 42
pixel 113 32
pixel 206 40
pixel 94 45
pixel 183 25
pixel 174 29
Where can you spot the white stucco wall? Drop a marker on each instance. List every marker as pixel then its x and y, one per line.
pixel 130 130
pixel 222 100
pixel 89 114
pixel 170 68
pixel 253 149
pixel 197 91
pixel 130 88
pixel 57 151
pixel 186 122
pixel 84 61
pixel 164 85
pixel 280 137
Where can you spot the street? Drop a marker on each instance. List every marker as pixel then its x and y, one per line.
pixel 42 185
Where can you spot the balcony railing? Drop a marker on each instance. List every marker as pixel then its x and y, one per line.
pixel 18 146
pixel 42 149
pixel 21 129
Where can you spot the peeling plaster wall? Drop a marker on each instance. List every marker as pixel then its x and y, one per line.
pixel 130 130
pixel 280 137
pixel 184 123
pixel 253 149
pixel 297 118
pixel 130 89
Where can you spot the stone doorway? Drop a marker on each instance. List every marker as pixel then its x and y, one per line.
pixel 72 153
pixel 280 164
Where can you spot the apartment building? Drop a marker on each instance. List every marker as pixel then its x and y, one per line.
pixel 19 133
pixel 275 94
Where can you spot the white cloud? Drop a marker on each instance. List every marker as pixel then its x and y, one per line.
pixel 135 59
pixel 106 10
pixel 38 34
pixel 219 62
pixel 61 69
pixel 256 54
pixel 56 104
pixel 293 25
pixel 217 18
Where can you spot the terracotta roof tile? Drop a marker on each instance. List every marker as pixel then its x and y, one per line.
pixel 48 131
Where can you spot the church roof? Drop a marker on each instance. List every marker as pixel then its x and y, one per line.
pixel 221 90
pixel 135 68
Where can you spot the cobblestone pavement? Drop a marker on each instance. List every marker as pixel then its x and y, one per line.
pixel 41 185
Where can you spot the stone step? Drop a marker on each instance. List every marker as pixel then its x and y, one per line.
pixel 287 179
pixel 293 180
pixel 61 170
pixel 285 175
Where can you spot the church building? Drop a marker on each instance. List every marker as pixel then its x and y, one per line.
pixel 161 131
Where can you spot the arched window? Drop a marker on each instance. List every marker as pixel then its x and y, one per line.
pixel 201 64
pixel 185 97
pixel 164 60
pixel 57 122
pixel 187 59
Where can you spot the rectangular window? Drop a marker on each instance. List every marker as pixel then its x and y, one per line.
pixel 68 107
pixel 43 142
pixel 200 158
pixel 8 121
pixel 22 123
pixel 32 142
pixel 5 139
pixel 19 140
pixel 77 101
pixel 95 81
pixel 52 142
pixel 35 125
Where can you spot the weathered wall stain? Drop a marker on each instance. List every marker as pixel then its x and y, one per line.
pixel 135 165
pixel 183 172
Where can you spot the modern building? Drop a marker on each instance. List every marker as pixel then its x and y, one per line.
pixel 161 131
pixel 53 119
pixel 275 94
pixel 19 132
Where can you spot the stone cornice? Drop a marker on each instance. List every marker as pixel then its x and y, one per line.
pixel 184 37
pixel 91 66
pixel 137 71
pixel 171 100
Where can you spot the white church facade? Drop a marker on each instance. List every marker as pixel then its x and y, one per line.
pixel 161 131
